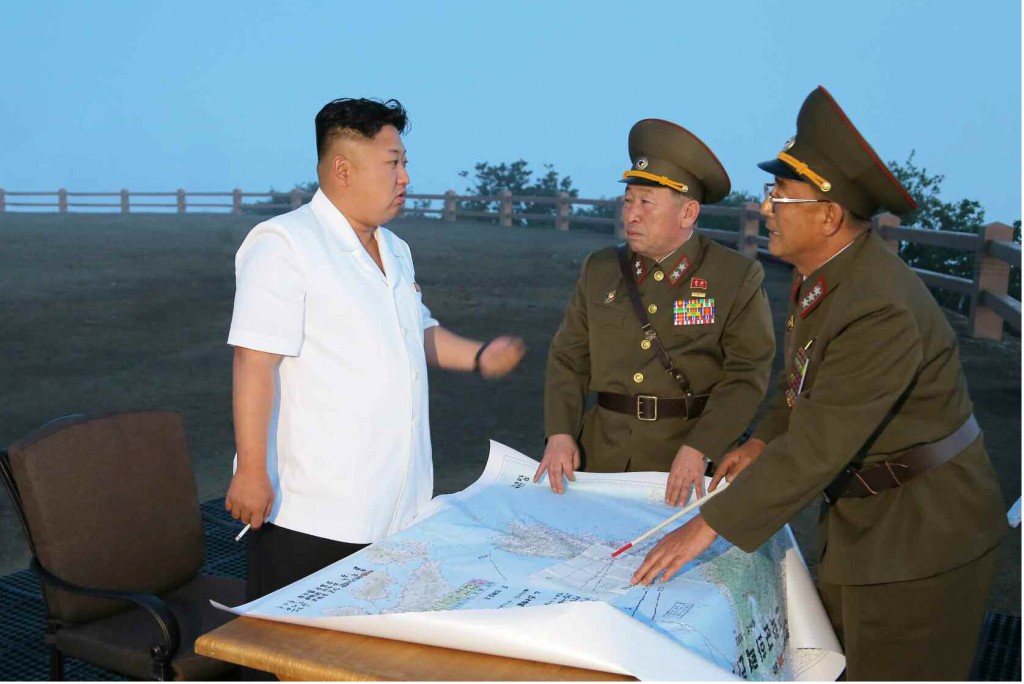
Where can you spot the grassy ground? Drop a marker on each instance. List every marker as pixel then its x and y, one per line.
pixel 112 312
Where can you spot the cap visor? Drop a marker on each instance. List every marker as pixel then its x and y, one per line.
pixel 641 181
pixel 779 168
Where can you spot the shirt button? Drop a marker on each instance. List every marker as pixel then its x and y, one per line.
pixel 638 378
pixel 659 276
pixel 415 375
pixel 416 423
pixel 645 344
pixel 653 309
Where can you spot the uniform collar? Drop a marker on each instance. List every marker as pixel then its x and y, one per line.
pixel 810 292
pixel 337 225
pixel 676 267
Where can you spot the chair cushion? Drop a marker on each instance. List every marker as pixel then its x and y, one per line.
pixel 121 642
pixel 111 504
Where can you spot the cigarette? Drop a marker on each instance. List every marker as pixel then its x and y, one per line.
pixel 242 533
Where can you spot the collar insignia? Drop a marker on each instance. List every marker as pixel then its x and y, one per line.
pixel 679 271
pixel 639 269
pixel 812 298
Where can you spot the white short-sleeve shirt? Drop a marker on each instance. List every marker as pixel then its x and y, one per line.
pixel 348 451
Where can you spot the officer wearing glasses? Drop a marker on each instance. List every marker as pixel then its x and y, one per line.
pixel 871 416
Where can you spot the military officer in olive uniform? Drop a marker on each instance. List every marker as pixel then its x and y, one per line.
pixel 872 411
pixel 679 374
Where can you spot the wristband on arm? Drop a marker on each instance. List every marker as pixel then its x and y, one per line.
pixel 476 359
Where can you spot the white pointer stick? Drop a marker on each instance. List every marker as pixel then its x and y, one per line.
pixel 671 519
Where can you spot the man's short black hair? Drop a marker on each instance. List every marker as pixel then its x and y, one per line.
pixel 358 118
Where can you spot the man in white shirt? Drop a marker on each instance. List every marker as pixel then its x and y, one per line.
pixel 331 344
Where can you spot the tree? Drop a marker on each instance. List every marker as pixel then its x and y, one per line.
pixel 273 205
pixel 963 216
pixel 491 179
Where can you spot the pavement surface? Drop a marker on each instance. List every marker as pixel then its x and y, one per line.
pixel 122 312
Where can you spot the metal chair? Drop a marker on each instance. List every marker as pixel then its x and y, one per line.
pixel 109 508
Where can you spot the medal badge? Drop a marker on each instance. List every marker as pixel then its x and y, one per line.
pixel 610 297
pixel 694 311
pixel 797 374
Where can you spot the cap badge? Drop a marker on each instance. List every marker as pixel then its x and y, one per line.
pixel 789 144
pixel 641 163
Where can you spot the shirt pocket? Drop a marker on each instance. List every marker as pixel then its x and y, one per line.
pixel 607 315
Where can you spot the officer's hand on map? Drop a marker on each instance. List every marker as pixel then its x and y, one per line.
pixel 561 457
pixel 687 471
pixel 736 461
pixel 250 496
pixel 675 550
pixel 501 356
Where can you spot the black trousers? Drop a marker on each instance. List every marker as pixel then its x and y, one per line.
pixel 276 556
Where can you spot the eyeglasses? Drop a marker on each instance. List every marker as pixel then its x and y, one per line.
pixel 772 200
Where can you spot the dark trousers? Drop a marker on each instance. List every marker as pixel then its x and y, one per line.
pixel 925 629
pixel 276 556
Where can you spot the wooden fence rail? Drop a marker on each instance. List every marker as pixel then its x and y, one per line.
pixel 993 247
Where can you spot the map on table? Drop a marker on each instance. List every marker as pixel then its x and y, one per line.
pixel 510 568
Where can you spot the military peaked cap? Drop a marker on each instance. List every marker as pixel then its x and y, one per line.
pixel 829 153
pixel 668 155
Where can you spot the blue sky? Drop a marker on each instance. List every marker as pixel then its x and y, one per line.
pixel 217 95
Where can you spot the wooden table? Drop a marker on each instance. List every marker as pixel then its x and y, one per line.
pixel 294 652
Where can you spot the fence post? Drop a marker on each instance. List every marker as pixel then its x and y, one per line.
pixel 450 209
pixel 236 201
pixel 990 274
pixel 62 200
pixel 562 206
pixel 880 223
pixel 181 201
pixel 296 198
pixel 620 228
pixel 125 207
pixel 750 225
pixel 3 201
pixel 505 214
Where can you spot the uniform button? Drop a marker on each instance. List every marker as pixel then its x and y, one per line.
pixel 659 276
pixel 415 375
pixel 645 344
pixel 638 378
pixel 653 309
pixel 416 422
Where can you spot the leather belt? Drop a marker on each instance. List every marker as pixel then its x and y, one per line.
pixel 647 407
pixel 894 472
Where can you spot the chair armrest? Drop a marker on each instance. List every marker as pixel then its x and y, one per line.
pixel 152 604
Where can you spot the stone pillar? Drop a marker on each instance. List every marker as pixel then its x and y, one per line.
pixel 236 201
pixel 750 225
pixel 990 274
pixel 562 211
pixel 505 215
pixel 3 201
pixel 62 200
pixel 181 201
pixel 880 223
pixel 450 208
pixel 125 202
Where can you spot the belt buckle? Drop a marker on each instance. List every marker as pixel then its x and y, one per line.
pixel 640 413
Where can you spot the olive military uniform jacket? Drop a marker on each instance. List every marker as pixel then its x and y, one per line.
pixel 708 308
pixel 882 375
